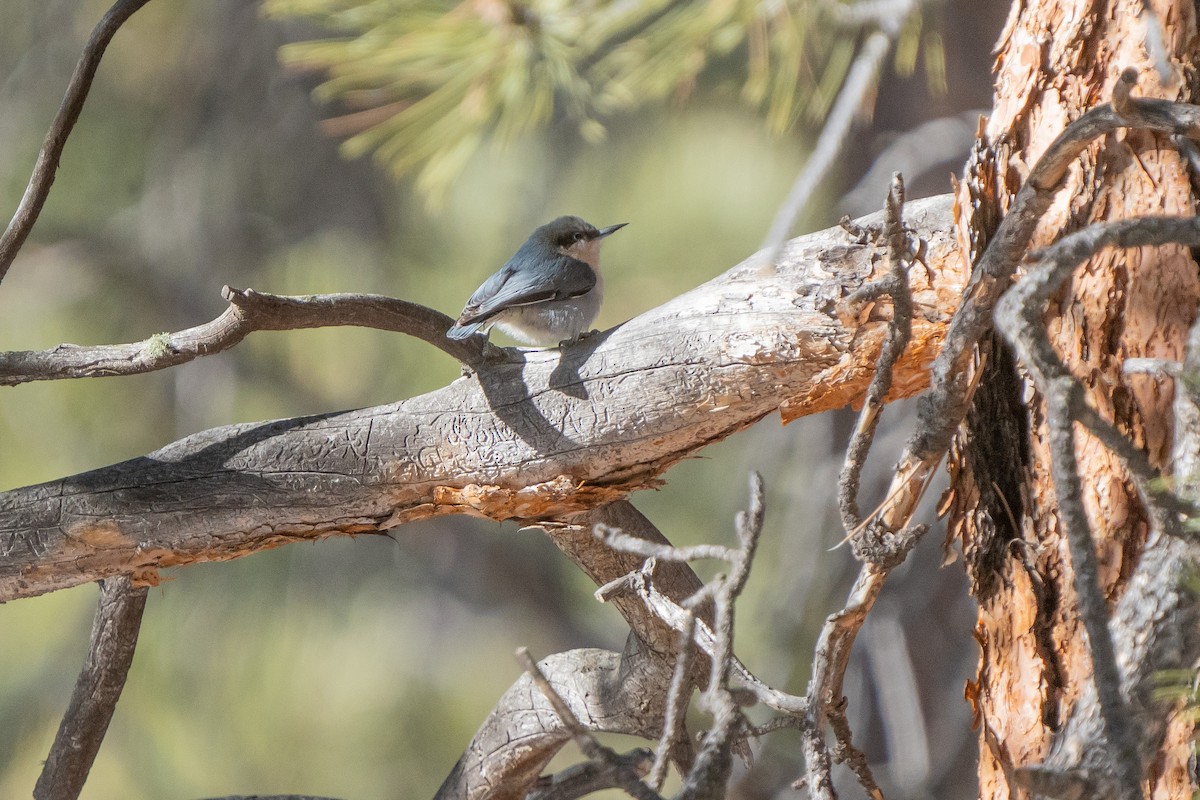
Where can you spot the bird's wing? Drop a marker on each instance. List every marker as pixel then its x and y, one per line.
pixel 558 279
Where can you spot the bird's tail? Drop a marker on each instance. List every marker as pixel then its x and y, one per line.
pixel 463 331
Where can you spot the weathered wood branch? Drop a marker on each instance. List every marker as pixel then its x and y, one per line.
pixel 114 638
pixel 248 311
pixel 535 436
pixel 611 692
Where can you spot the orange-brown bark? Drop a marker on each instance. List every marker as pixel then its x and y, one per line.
pixel 1056 60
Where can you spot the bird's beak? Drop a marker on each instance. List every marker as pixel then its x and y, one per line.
pixel 611 229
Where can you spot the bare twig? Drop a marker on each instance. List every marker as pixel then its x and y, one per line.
pixel 1161 367
pixel 642 584
pixel 114 638
pixel 674 724
pixel 56 138
pixel 1068 491
pixel 248 311
pixel 583 779
pixel 749 527
pixel 1018 316
pixel 708 778
pixel 619 540
pixel 623 770
pixel 709 775
pixel 612 692
pixel 898 335
pixel 943 407
pixel 825 696
pixel 826 701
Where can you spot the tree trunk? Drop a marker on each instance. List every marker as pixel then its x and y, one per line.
pixel 1057 59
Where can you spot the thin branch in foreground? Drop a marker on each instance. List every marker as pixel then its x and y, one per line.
pixel 248 311
pixel 114 638
pixel 641 584
pixel 710 775
pixel 898 335
pixel 1018 318
pixel 674 722
pixel 619 540
pixel 1068 490
pixel 56 138
pixel 624 771
pixel 826 701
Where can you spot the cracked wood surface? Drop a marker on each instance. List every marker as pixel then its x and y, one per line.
pixel 533 436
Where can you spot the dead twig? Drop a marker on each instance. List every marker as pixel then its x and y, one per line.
pixel 708 778
pixel 56 138
pixel 826 702
pixel 710 773
pixel 114 638
pixel 1018 316
pixel 899 333
pixel 674 723
pixel 248 311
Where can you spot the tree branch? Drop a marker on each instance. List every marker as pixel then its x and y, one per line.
pixel 895 285
pixel 543 435
pixel 248 311
pixel 114 638
pixel 626 775
pixel 613 692
pixel 56 138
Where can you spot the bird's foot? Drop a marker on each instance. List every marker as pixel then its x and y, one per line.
pixel 579 337
pixel 493 353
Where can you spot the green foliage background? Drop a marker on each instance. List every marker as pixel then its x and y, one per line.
pixel 360 668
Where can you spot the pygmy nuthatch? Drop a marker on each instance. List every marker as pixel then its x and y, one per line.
pixel 548 292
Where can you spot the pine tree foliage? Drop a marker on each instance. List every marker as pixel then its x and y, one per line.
pixel 426 84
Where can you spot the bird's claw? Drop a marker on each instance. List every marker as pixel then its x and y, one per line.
pixel 579 337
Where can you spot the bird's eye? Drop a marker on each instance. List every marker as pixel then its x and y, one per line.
pixel 579 237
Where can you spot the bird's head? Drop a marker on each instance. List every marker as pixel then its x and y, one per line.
pixel 576 238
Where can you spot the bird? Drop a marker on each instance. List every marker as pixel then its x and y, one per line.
pixel 549 291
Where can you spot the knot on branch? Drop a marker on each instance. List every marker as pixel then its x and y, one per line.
pixel 885 549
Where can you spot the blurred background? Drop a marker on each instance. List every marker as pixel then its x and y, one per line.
pixel 360 668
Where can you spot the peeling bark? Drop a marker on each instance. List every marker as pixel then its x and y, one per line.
pixel 1034 666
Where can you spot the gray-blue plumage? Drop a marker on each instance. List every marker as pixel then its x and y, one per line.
pixel 549 291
